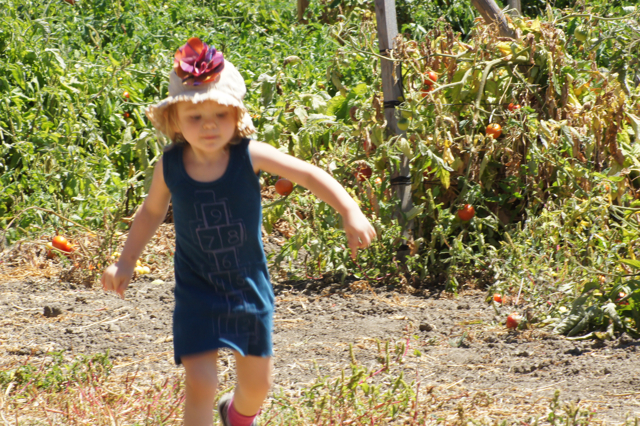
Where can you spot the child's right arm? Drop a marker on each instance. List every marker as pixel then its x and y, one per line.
pixel 145 223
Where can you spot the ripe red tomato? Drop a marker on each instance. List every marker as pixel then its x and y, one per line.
pixel 494 130
pixel 430 78
pixel 368 146
pixel 513 107
pixel 621 296
pixel 284 186
pixel 126 95
pixel 378 181
pixel 363 172
pixel 425 91
pixel 126 115
pixel 467 212
pixel 513 320
pixel 71 2
pixel 497 298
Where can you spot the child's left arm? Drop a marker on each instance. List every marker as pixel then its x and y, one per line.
pixel 359 231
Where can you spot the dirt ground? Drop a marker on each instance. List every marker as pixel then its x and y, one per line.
pixel 317 322
pixel 462 341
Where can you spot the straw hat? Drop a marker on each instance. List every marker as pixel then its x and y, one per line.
pixel 200 73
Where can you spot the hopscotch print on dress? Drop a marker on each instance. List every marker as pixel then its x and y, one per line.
pixel 220 238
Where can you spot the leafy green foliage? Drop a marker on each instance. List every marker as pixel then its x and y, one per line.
pixel 70 139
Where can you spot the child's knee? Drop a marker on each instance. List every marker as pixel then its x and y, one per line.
pixel 201 373
pixel 204 383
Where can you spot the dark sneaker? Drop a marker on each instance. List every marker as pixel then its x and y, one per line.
pixel 223 407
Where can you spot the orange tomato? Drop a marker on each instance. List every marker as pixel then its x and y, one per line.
pixel 494 130
pixel 60 242
pixel 513 107
pixel 126 95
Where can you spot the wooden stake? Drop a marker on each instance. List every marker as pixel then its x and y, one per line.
pixel 392 91
pixel 302 7
pixel 515 5
pixel 492 13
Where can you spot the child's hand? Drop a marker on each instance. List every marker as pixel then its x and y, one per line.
pixel 359 231
pixel 117 277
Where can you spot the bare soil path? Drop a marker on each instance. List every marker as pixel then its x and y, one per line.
pixel 462 345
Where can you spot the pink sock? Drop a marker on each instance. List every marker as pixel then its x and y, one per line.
pixel 237 419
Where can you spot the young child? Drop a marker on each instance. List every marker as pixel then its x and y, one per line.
pixel 223 294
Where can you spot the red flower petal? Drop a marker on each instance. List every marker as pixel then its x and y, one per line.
pixel 196 62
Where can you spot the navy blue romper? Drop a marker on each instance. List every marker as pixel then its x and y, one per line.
pixel 224 297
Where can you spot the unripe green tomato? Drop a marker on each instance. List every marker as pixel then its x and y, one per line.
pixel 581 34
pixel 380 163
pixel 406 113
pixel 403 124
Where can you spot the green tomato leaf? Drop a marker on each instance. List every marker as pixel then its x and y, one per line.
pixel 631 262
pixel 610 311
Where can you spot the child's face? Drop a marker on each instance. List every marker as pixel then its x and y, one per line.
pixel 206 125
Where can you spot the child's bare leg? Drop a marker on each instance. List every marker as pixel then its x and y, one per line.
pixel 254 382
pixel 201 385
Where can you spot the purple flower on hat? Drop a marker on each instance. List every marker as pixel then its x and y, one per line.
pixel 197 63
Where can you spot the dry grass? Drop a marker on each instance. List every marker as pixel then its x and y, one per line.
pixel 91 391
pixel 29 259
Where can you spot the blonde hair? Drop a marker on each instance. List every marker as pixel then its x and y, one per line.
pixel 171 122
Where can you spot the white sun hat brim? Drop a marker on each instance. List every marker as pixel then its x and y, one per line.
pixel 228 89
